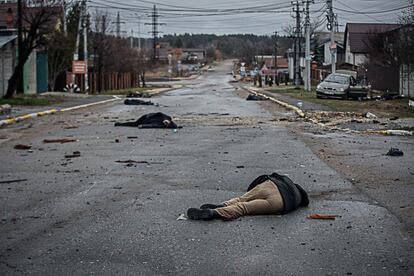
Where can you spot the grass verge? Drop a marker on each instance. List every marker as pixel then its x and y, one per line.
pixel 31 100
pixel 389 108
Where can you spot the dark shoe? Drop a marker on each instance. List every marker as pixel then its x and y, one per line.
pixel 211 206
pixel 202 214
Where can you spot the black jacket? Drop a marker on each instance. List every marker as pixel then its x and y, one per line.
pixel 292 194
pixel 150 120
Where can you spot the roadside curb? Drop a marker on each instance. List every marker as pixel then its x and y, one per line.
pixel 388 132
pixel 288 106
pixel 392 132
pixel 51 111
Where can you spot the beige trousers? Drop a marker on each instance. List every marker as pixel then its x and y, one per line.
pixel 264 199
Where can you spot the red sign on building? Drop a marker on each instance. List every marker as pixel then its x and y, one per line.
pixel 78 67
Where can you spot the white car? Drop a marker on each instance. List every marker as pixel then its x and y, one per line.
pixel 344 86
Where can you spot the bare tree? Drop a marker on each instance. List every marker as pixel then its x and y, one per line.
pixel 37 22
pixel 407 16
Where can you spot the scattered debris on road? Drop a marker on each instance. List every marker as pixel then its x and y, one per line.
pixel 131 161
pixel 68 126
pixel 370 115
pixel 395 152
pixel 322 216
pixel 182 217
pixel 137 102
pixel 74 155
pixel 12 181
pixel 392 132
pixel 5 109
pixel 22 147
pixel 60 140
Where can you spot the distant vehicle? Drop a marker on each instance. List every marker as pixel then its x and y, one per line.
pixel 342 85
pixel 191 58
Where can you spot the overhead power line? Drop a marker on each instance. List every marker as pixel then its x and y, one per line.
pixel 371 12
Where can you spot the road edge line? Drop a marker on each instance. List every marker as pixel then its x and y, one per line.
pixel 115 98
pixel 14 120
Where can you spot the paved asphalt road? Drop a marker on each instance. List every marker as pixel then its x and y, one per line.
pixel 92 215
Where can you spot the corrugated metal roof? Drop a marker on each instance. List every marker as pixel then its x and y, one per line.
pixel 370 27
pixel 6 39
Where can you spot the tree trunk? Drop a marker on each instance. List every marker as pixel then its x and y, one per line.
pixel 13 82
pixel 143 79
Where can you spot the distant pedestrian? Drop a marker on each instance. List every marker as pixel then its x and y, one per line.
pixel 266 195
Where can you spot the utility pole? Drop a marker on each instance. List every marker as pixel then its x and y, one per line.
pixel 76 52
pixel 330 26
pixel 276 75
pixel 155 32
pixel 85 45
pixel 297 45
pixel 307 48
pixel 118 25
pixel 100 54
pixel 65 28
pixel 132 39
pixel 19 87
pixel 139 32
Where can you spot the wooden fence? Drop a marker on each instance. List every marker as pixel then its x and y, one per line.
pixel 105 81
pixel 319 74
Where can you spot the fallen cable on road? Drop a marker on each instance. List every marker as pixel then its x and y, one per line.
pixel 131 161
pixel 12 181
pixel 60 140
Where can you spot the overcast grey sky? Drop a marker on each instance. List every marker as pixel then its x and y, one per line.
pixel 258 17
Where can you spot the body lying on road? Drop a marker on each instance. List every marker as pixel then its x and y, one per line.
pixel 266 195
pixel 151 120
pixel 137 102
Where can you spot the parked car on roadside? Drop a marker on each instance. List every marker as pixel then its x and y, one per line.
pixel 342 85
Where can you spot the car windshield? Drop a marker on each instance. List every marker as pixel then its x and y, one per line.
pixel 337 78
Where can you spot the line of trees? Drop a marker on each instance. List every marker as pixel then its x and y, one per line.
pixel 43 29
pixel 241 46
